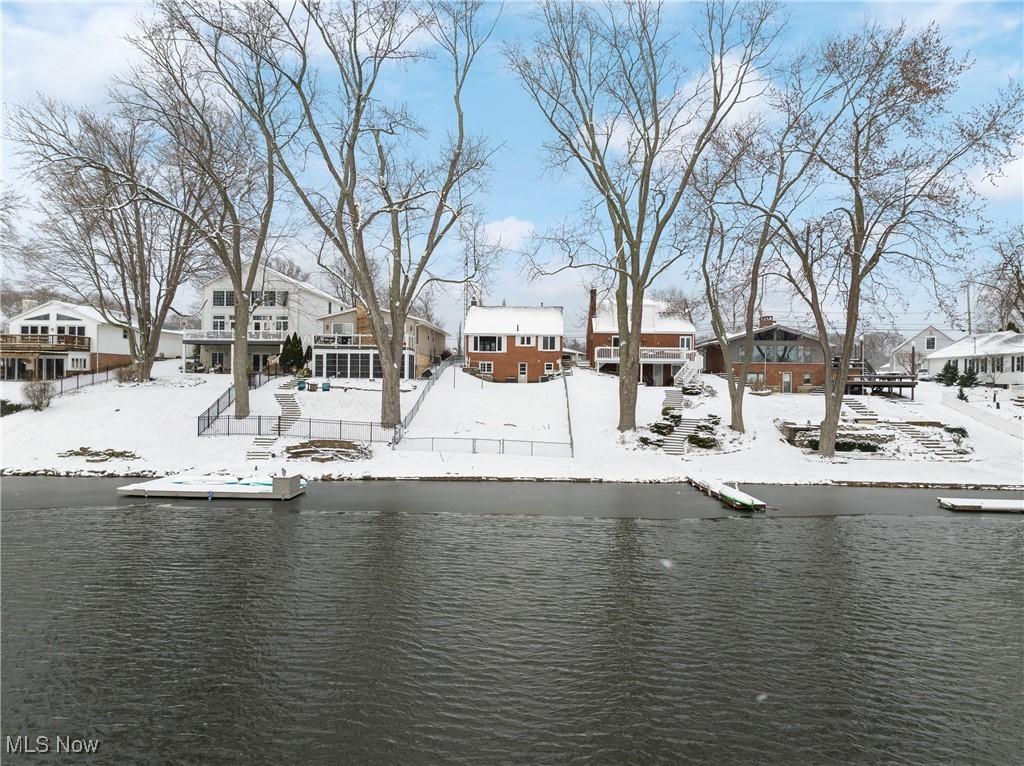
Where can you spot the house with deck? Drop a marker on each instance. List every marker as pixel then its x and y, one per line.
pixel 339 334
pixel 996 357
pixel 667 342
pixel 784 359
pixel 514 344
pixel 55 339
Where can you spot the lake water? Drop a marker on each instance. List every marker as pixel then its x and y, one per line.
pixel 352 627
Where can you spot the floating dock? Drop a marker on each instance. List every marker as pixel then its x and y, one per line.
pixel 980 504
pixel 731 496
pixel 216 487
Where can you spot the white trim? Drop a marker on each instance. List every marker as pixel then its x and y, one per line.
pixel 485 367
pixel 525 340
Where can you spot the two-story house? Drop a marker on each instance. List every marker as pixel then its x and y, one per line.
pixel 56 339
pixel 911 356
pixel 514 344
pixel 667 340
pixel 339 334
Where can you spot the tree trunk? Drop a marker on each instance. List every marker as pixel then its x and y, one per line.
pixel 628 374
pixel 391 381
pixel 736 406
pixel 830 424
pixel 144 368
pixel 240 354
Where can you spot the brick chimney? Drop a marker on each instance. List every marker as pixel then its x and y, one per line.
pixel 767 320
pixel 27 304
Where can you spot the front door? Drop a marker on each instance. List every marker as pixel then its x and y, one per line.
pixel 523 372
pixel 787 382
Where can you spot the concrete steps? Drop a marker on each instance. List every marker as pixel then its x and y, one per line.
pixel 676 442
pixel 263 445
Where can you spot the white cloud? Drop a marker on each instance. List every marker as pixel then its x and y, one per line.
pixel 510 233
pixel 1007 187
pixel 66 51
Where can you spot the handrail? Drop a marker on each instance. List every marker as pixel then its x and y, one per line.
pixel 435 373
pixel 25 341
pixel 568 416
pixel 605 353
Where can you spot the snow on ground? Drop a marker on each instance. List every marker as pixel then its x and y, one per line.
pixel 348 399
pixel 157 421
pixel 461 405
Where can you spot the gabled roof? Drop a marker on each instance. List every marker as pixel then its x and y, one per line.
pixel 655 318
pixel 415 319
pixel 85 312
pixel 743 333
pixel 929 330
pixel 297 282
pixel 984 344
pixel 514 320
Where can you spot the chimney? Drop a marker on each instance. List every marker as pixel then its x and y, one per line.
pixel 27 304
pixel 592 311
pixel 472 302
pixel 767 320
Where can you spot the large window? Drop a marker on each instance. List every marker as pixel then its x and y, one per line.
pixel 281 323
pixel 269 298
pixel 219 323
pixel 223 297
pixel 217 359
pixel 489 343
pixel 549 343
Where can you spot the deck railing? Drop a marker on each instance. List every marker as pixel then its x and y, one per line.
pixel 23 342
pixel 479 446
pixel 300 428
pixel 351 341
pixel 228 336
pixel 647 354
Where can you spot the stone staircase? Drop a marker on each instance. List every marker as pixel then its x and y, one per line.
pixel 675 442
pixel 673 398
pixel 862 411
pixel 933 444
pixel 262 445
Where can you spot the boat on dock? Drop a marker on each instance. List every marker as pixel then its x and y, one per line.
pixel 982 504
pixel 731 496
pixel 218 487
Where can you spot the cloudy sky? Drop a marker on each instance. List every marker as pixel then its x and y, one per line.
pixel 70 51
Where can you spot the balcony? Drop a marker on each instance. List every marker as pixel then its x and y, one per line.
pixel 350 341
pixel 228 336
pixel 16 343
pixel 648 354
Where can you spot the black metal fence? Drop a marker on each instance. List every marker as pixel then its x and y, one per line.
pixel 301 428
pixel 211 414
pixel 435 373
pixel 477 446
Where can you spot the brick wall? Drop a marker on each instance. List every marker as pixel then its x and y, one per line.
pixel 506 363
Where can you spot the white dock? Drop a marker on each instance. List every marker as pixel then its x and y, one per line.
pixel 979 504
pixel 731 496
pixel 217 487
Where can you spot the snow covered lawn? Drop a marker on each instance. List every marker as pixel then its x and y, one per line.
pixel 349 399
pixel 461 405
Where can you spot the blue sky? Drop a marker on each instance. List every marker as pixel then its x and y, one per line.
pixel 70 51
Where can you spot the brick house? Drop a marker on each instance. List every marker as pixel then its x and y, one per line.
pixel 514 344
pixel 784 359
pixel 667 341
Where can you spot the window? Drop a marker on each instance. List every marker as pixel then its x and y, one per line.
pixel 269 298
pixel 485 366
pixel 261 322
pixel 549 343
pixel 969 365
pixel 524 340
pixel 549 367
pixel 61 329
pixel 686 341
pixel 281 323
pixel 489 343
pixel 343 328
pixel 124 334
pixel 984 364
pixel 929 343
pixel 1018 364
pixel 997 364
pixel 615 341
pixel 219 323
pixel 217 359
pixel 282 298
pixel 223 297
pixel 256 296
pixel 807 379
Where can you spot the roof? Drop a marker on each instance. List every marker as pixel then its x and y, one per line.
pixel 929 330
pixel 984 344
pixel 415 319
pixel 297 282
pixel 655 318
pixel 514 320
pixel 86 312
pixel 743 333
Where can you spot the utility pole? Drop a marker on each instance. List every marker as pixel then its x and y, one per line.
pixel 970 330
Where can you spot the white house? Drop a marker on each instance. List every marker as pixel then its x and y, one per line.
pixel 55 339
pixel 913 352
pixel 997 357
pixel 339 334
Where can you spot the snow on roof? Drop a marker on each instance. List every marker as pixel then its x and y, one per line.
pixel 984 344
pixel 410 317
pixel 655 319
pixel 297 282
pixel 929 330
pixel 743 333
pixel 514 320
pixel 85 312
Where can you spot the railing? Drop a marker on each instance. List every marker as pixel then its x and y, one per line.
pixel 477 446
pixel 24 342
pixel 435 373
pixel 193 336
pixel 211 414
pixel 568 415
pixel 75 382
pixel 647 354
pixel 350 341
pixel 302 428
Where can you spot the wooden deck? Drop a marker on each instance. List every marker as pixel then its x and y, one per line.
pixel 13 344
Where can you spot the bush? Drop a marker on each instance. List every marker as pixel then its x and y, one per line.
pixel 662 429
pixel 129 374
pixel 845 446
pixel 446 354
pixel 949 374
pixel 969 379
pixel 39 394
pixel 956 430
pixel 702 441
pixel 9 408
pixel 961 395
pixel 646 442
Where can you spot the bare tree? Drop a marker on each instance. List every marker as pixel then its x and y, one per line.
pixel 896 169
pixel 627 115
pixel 288 267
pixel 100 239
pixel 1000 302
pixel 364 170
